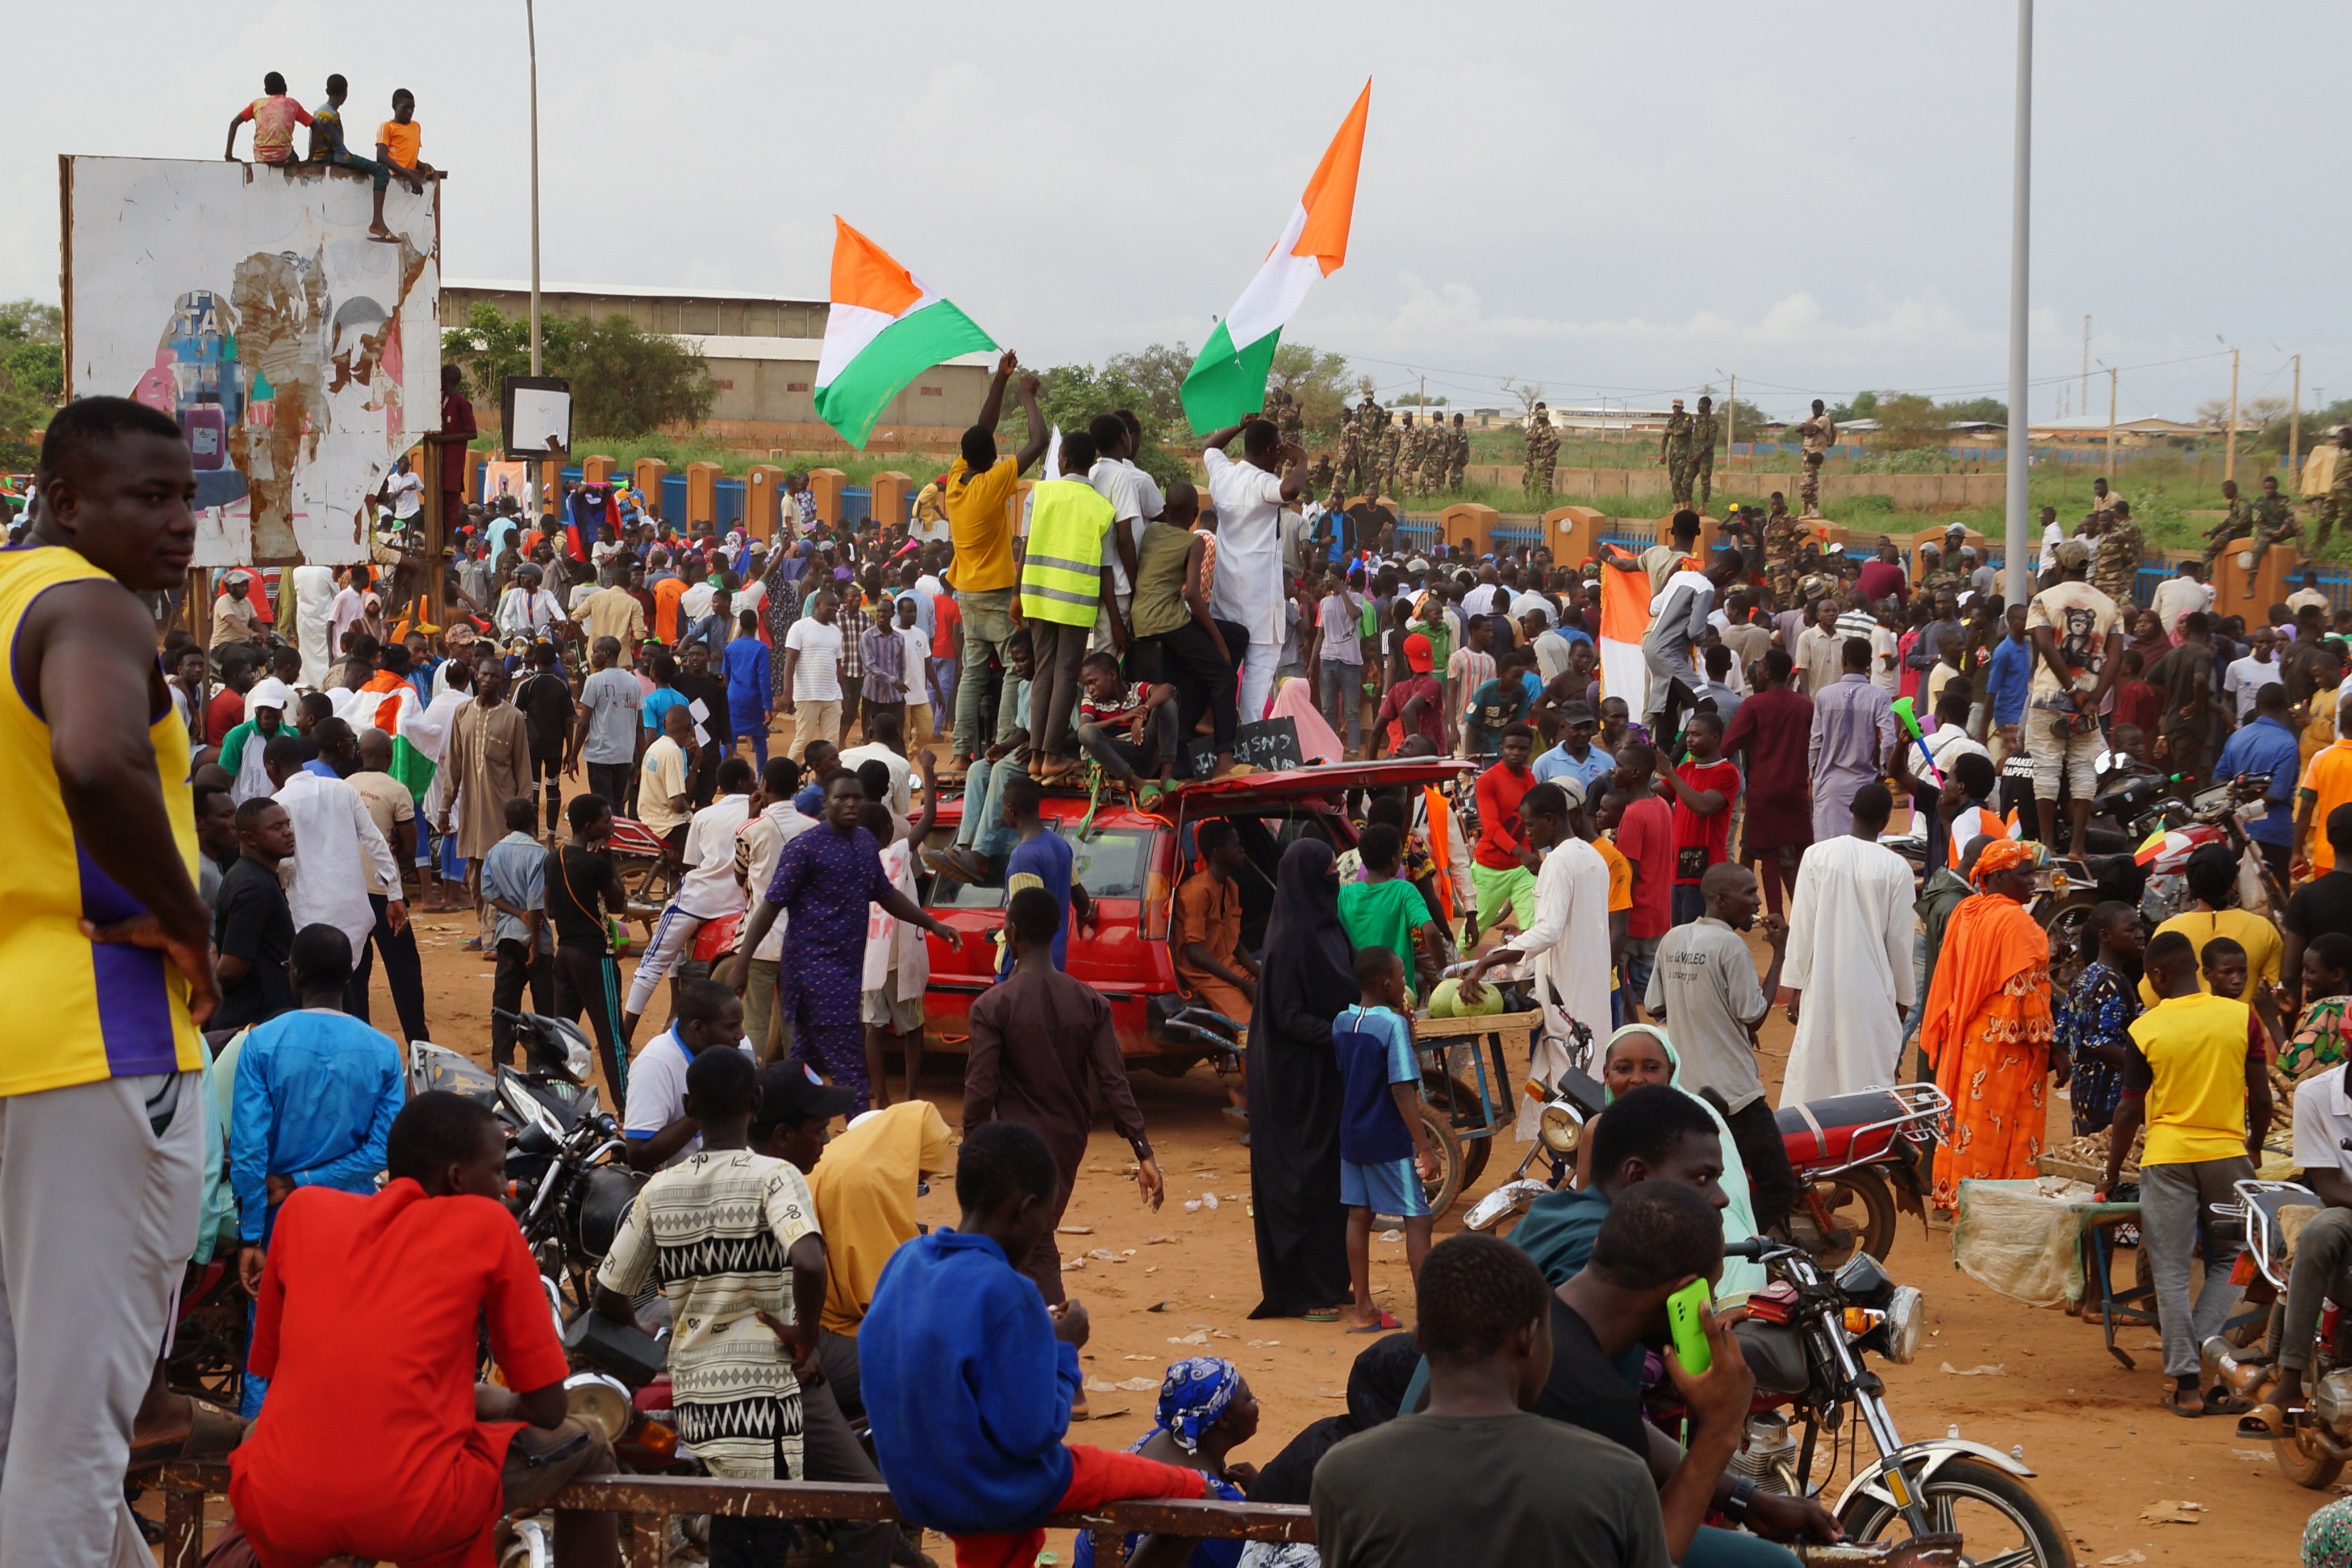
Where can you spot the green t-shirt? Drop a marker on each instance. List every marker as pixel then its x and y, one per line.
pixel 1384 914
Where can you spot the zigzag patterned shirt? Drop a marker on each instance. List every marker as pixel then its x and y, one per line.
pixel 713 1233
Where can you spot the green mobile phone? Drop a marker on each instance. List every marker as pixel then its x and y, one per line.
pixel 1682 1321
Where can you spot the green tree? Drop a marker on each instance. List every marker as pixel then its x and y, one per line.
pixel 1158 375
pixel 1985 410
pixel 625 382
pixel 1863 405
pixel 1070 396
pixel 32 378
pixel 1908 420
pixel 1317 381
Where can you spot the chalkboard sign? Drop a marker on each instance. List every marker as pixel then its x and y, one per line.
pixel 1270 745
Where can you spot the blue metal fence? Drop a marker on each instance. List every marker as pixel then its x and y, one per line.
pixel 1422 532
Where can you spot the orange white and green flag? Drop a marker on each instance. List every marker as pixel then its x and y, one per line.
pixel 885 327
pixel 1228 380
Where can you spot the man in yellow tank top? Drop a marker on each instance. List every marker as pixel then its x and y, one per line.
pixel 104 956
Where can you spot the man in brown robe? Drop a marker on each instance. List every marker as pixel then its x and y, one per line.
pixel 488 765
pixel 1035 1035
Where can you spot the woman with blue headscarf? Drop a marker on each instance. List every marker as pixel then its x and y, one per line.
pixel 1206 1411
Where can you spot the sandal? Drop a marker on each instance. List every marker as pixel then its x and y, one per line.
pixel 1328 1315
pixel 211 1432
pixel 2174 1400
pixel 1385 1323
pixel 2264 1420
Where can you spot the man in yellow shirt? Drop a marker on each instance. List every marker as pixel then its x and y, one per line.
pixel 2326 784
pixel 2212 879
pixel 978 500
pixel 2195 1072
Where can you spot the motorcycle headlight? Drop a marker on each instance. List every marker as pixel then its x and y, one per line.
pixel 1907 1320
pixel 527 1110
pixel 600 1402
pixel 579 1060
pixel 1560 1128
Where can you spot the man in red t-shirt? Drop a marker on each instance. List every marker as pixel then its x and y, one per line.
pixel 1503 867
pixel 1398 717
pixel 456 433
pixel 376 1442
pixel 240 667
pixel 1703 789
pixel 1645 837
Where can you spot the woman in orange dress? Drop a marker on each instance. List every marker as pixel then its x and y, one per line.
pixel 1988 1028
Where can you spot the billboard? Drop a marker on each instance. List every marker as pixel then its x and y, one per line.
pixel 300 356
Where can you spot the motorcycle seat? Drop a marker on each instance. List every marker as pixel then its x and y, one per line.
pixel 1842 1129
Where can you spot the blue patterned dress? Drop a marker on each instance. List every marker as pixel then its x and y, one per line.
pixel 825 880
pixel 2098 1011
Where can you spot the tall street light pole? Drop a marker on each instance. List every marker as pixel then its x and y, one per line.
pixel 2021 573
pixel 531 32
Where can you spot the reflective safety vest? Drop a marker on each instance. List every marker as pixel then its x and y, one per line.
pixel 1061 568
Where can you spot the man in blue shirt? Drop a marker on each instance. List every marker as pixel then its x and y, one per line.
pixel 751 700
pixel 1576 756
pixel 2011 673
pixel 1041 859
pixel 2268 747
pixel 315 1092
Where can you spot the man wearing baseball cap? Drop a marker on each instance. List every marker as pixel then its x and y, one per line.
pixel 235 619
pixel 1414 706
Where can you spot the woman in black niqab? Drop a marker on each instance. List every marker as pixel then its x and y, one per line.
pixel 1306 980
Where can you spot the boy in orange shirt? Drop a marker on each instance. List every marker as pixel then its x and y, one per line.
pixel 399 139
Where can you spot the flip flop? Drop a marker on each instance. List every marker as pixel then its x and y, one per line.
pixel 1330 1317
pixel 2172 1398
pixel 1388 1323
pixel 2264 1420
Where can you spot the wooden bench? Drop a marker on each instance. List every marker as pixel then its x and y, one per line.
pixel 646 1502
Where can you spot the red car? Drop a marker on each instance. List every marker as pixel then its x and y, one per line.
pixel 1130 864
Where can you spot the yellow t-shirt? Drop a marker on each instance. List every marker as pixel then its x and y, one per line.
pixel 2249 931
pixel 665 781
pixel 1620 876
pixel 2195 1050
pixel 979 525
pixel 2328 781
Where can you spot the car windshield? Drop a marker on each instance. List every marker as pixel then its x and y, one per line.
pixel 1111 865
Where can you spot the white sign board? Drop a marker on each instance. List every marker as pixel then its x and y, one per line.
pixel 247 300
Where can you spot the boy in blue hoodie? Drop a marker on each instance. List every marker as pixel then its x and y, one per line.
pixel 969 1377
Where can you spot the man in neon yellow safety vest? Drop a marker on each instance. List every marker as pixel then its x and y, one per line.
pixel 1065 578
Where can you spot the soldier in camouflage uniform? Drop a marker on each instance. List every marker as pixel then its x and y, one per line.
pixel 2114 559
pixel 1817 433
pixel 1391 443
pixel 1355 452
pixel 1543 451
pixel 1320 476
pixel 1702 452
pixel 1675 452
pixel 1935 573
pixel 1784 540
pixel 1457 456
pixel 2237 524
pixel 2336 507
pixel 1436 446
pixel 2273 518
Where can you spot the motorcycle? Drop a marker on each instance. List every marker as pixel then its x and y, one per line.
pixel 564 1180
pixel 2312 1451
pixel 1806 1335
pixel 2216 814
pixel 1869 1149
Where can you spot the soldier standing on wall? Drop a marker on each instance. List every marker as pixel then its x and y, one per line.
pixel 1675 452
pixel 2336 507
pixel 1543 451
pixel 1784 540
pixel 1817 433
pixel 1457 451
pixel 2115 565
pixel 2274 524
pixel 1702 453
pixel 1391 450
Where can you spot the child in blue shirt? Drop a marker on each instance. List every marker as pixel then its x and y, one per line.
pixel 969 1376
pixel 750 701
pixel 1384 1156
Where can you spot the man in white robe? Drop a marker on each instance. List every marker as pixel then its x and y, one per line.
pixel 1568 938
pixel 1249 497
pixel 1849 958
pixel 336 846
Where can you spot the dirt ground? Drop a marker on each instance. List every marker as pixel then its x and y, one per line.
pixel 1180 1282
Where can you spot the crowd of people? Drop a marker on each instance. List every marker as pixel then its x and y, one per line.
pixel 226 842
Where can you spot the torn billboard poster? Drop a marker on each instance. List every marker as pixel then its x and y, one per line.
pixel 246 299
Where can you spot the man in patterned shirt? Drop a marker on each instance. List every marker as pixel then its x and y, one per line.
pixel 722 1235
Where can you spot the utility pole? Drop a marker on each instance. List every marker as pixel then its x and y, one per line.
pixel 2085 397
pixel 2230 442
pixel 1731 422
pixel 2020 574
pixel 2111 427
pixel 2294 429
pixel 531 34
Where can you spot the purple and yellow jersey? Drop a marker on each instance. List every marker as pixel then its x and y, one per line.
pixel 78 1011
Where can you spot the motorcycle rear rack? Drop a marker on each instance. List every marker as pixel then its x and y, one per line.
pixel 1926 1121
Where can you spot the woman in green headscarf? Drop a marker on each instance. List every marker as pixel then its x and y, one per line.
pixel 1640 1054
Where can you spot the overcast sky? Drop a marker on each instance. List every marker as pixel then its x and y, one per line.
pixel 1618 200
